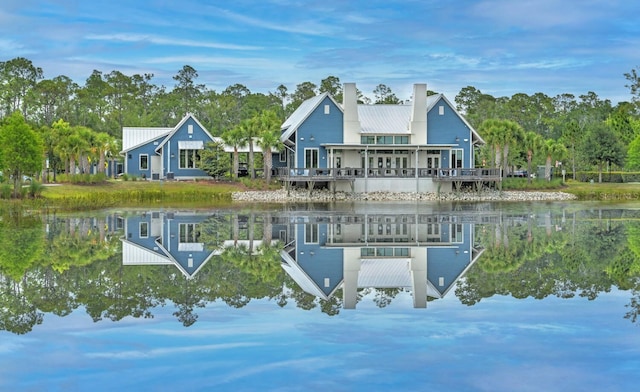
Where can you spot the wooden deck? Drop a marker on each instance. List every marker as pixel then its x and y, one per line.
pixel 458 177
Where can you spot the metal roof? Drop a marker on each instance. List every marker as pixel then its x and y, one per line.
pixel 389 119
pixel 135 136
pixel 381 119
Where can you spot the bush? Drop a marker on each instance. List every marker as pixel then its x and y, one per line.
pixel 5 191
pixel 612 177
pixel 35 189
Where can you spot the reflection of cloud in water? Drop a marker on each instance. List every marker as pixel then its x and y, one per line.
pixel 306 365
pixel 9 347
pixel 168 351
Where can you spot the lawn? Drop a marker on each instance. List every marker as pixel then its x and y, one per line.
pixel 136 193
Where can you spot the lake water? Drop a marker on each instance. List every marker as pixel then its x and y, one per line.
pixel 346 297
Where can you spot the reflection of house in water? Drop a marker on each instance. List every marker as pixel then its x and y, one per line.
pixel 172 238
pixel 423 253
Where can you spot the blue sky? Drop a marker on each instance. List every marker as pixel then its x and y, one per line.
pixel 501 47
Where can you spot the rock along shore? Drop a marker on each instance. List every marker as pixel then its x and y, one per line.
pixel 321 195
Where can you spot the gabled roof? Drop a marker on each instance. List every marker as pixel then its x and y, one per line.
pixel 374 119
pixel 133 137
pixel 177 127
pixel 476 135
pixel 303 111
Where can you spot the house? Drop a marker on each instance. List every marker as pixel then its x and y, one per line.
pixel 165 153
pixel 423 146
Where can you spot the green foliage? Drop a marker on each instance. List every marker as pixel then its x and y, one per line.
pixel 519 184
pixel 215 161
pixel 35 189
pixel 5 191
pixel 21 149
pixel 633 155
pixel 600 147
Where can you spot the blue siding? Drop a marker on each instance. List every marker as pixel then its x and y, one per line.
pixel 133 233
pixel 445 263
pixel 171 163
pixel 132 158
pixel 324 263
pixel 444 129
pixel 172 227
pixel 325 128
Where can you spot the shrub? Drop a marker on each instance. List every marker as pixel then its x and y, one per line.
pixel 35 189
pixel 5 191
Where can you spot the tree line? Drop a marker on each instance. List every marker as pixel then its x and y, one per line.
pixel 75 124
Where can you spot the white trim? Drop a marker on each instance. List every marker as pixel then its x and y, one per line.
pixel 140 162
pixel 140 229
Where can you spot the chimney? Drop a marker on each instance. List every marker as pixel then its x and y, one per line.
pixel 351 129
pixel 418 124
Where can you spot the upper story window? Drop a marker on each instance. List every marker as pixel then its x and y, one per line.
pixel 441 110
pixel 327 109
pixel 384 139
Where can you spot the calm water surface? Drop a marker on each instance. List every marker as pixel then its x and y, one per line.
pixel 347 297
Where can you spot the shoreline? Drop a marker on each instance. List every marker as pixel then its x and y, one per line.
pixel 322 195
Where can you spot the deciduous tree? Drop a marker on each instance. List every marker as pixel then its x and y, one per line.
pixel 21 149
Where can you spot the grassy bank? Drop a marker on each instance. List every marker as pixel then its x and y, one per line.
pixel 72 197
pixel 603 191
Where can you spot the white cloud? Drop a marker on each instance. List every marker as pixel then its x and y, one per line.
pixel 156 40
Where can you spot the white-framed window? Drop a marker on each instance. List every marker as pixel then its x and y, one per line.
pixel 144 162
pixel 311 233
pixel 327 109
pixel 144 230
pixel 441 110
pixel 189 233
pixel 456 233
pixel 189 159
pixel 311 157
pixel 457 158
pixel 282 157
pixel 190 129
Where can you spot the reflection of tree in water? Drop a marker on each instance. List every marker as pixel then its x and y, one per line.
pixel 21 246
pixel 577 259
pixel 76 264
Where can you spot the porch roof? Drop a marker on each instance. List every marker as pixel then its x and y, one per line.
pixel 388 146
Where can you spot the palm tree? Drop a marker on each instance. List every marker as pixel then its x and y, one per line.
pixel 250 129
pixel 234 138
pixel 532 143
pixel 269 139
pixel 501 134
pixel 80 143
pixel 552 149
pixel 102 142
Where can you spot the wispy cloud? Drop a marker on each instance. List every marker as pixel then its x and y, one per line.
pixel 157 40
